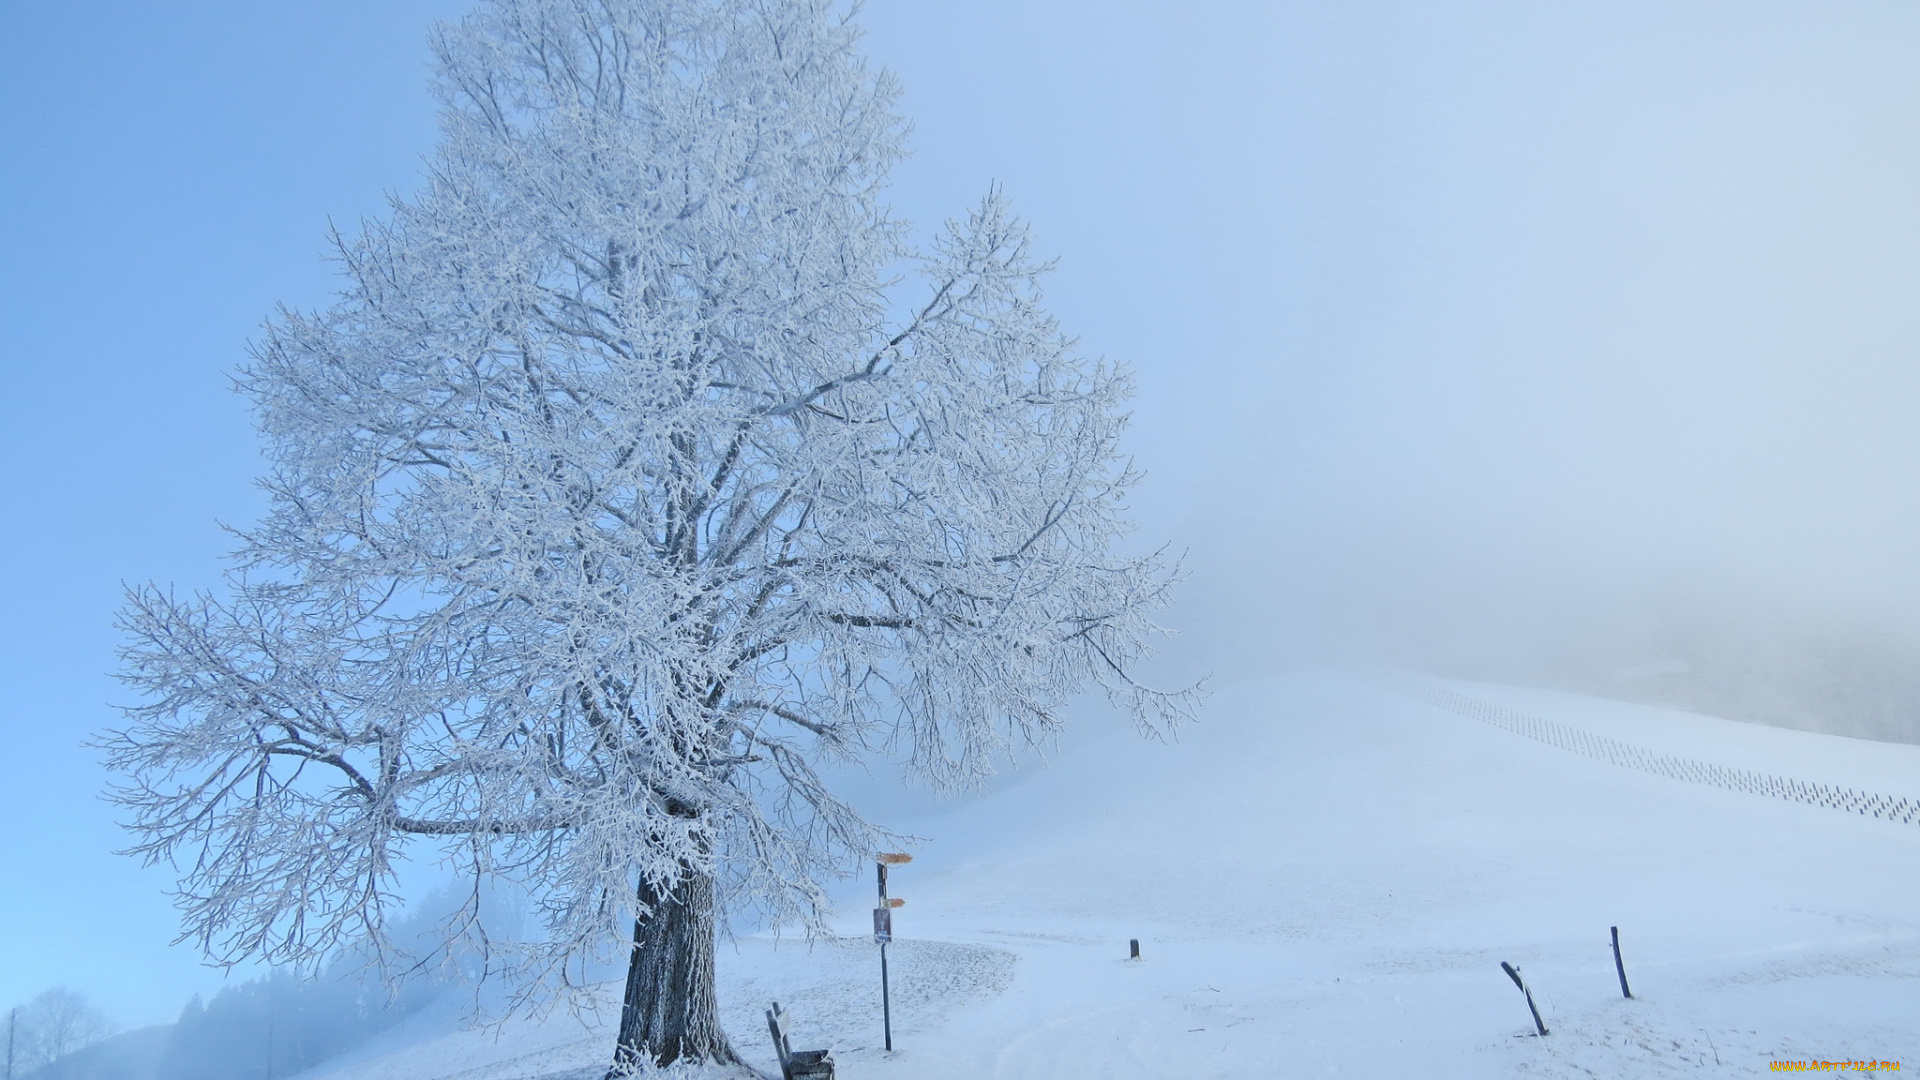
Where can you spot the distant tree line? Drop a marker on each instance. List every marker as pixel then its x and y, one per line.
pixel 268 1027
pixel 282 1024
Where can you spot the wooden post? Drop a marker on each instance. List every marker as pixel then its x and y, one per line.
pixel 1618 966
pixel 1514 974
pixel 1133 948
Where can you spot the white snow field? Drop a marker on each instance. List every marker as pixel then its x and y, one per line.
pixel 1325 876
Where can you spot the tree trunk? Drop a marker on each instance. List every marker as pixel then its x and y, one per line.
pixel 670 1011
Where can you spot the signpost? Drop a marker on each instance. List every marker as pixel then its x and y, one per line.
pixel 883 933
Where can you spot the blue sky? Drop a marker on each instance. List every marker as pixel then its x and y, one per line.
pixel 1445 314
pixel 168 177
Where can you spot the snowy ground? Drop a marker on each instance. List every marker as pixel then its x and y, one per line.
pixel 1325 877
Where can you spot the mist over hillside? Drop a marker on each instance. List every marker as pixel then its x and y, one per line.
pixel 1564 346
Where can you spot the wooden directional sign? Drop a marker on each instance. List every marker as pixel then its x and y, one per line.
pixel 883 924
pixel 893 858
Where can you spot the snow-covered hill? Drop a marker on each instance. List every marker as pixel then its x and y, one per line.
pixel 1325 876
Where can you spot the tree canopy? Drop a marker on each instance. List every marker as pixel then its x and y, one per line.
pixel 641 467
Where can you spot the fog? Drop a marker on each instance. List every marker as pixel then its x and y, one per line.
pixel 1571 343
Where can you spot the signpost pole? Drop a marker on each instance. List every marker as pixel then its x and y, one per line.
pixel 883 932
pixel 886 1006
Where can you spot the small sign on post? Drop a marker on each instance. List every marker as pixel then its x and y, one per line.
pixel 883 924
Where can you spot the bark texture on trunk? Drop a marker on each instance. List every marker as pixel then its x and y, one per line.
pixel 670 1011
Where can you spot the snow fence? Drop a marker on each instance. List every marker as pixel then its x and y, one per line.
pixel 1613 751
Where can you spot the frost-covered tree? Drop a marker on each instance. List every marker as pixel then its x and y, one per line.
pixel 57 1023
pixel 640 469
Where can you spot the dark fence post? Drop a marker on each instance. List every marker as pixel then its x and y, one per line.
pixel 1133 948
pixel 1619 966
pixel 1514 974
